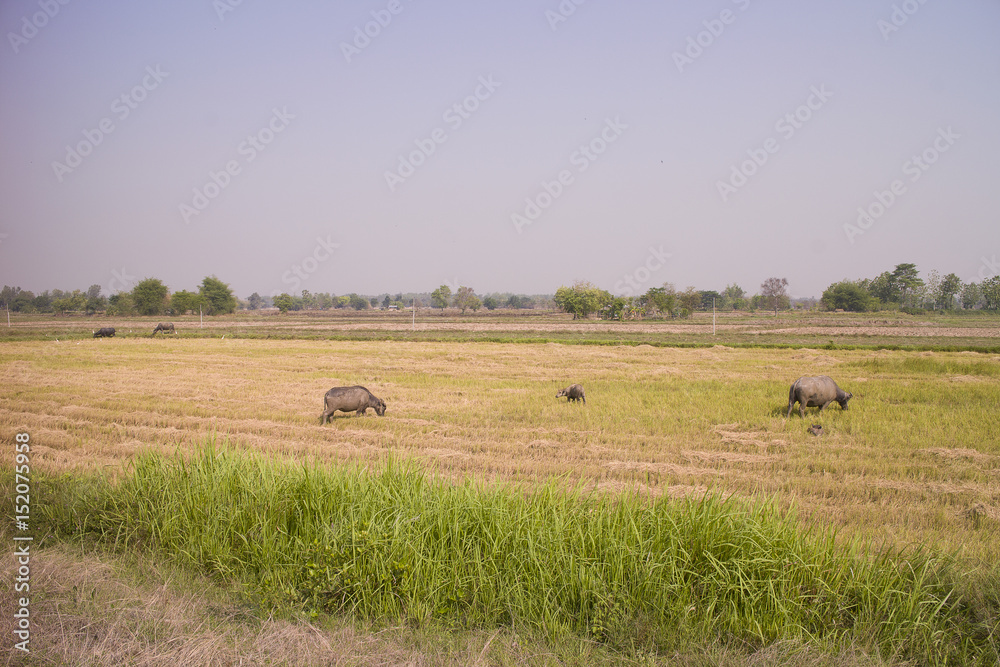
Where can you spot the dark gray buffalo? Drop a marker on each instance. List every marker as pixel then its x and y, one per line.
pixel 104 332
pixel 574 392
pixel 350 399
pixel 165 327
pixel 815 391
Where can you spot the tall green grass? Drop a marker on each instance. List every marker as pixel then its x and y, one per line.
pixel 397 543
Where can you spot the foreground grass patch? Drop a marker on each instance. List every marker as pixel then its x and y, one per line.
pixel 626 571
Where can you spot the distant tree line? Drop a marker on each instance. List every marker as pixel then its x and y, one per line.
pixel 900 289
pixel 904 289
pixel 148 297
pixel 583 299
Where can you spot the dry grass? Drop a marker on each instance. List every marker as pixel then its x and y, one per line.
pixel 916 451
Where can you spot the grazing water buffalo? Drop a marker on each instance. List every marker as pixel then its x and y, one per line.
pixel 574 392
pixel 104 332
pixel 165 327
pixel 813 391
pixel 350 399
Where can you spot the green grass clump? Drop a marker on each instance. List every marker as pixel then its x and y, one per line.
pixel 628 571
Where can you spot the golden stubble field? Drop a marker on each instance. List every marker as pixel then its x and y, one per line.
pixel 916 460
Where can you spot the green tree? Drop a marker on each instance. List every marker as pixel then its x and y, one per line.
pixel 949 287
pixel 284 302
pixel 735 297
pixel 689 300
pixel 991 293
pixel 883 287
pixel 848 295
pixel 440 297
pixel 95 301
pixel 906 280
pixel 710 299
pixel 255 301
pixel 121 304
pixel 663 299
pixel 357 302
pixel 581 299
pixel 218 297
pixel 775 292
pixel 465 298
pixel 490 303
pixel 150 296
pixel 972 294
pixel 183 301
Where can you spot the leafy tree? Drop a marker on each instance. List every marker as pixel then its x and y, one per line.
pixel 690 301
pixel 183 301
pixel 490 303
pixel 991 293
pixel 519 301
pixel 710 299
pixel 883 287
pixel 614 307
pixel 357 302
pixel 773 289
pixel 848 295
pixel 323 300
pixel 76 301
pixel 906 280
pixel 150 296
pixel 387 301
pixel 581 299
pixel 466 298
pixel 972 294
pixel 121 304
pixel 663 299
pixel 949 287
pixel 284 302
pixel 95 301
pixel 735 297
pixel 255 301
pixel 218 297
pixel 440 297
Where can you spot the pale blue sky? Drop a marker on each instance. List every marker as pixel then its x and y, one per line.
pixel 312 209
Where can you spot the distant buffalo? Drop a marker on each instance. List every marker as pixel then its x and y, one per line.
pixel 350 399
pixel 165 327
pixel 104 332
pixel 815 391
pixel 574 392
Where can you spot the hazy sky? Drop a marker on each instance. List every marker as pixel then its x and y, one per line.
pixel 397 145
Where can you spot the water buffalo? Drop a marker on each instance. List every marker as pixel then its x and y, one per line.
pixel 812 391
pixel 574 392
pixel 165 327
pixel 104 332
pixel 350 399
